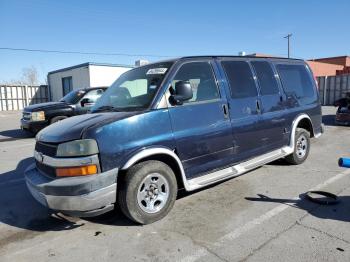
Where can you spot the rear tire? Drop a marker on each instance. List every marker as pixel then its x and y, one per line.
pixel 147 192
pixel 301 147
pixel 57 119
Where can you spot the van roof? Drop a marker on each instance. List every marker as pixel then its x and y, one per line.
pixel 226 56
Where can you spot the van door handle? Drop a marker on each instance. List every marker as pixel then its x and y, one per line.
pixel 225 110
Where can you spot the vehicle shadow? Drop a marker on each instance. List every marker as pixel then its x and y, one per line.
pixel 329 120
pixel 19 209
pixel 14 134
pixel 339 212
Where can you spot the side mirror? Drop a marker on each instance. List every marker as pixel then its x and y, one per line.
pixel 86 102
pixel 183 92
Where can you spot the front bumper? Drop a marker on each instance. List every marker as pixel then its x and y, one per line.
pixel 33 126
pixel 78 196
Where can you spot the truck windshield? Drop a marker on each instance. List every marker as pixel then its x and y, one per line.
pixel 133 90
pixel 73 96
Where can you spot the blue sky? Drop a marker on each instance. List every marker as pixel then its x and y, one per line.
pixel 166 28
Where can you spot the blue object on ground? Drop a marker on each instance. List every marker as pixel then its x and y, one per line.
pixel 344 162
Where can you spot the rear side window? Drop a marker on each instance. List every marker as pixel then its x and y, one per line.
pixel 266 78
pixel 240 78
pixel 296 80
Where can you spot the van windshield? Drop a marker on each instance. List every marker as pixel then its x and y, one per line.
pixel 133 90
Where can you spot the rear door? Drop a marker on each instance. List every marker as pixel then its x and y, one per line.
pixel 201 126
pixel 272 121
pixel 243 107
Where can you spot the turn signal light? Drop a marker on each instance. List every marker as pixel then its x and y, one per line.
pixel 77 171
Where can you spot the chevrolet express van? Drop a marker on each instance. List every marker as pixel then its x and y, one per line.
pixel 183 123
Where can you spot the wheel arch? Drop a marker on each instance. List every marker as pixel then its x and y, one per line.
pixel 301 121
pixel 164 155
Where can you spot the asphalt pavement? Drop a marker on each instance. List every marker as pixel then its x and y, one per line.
pixel 260 216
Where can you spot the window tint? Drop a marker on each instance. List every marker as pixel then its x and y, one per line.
pixel 296 80
pixel 266 78
pixel 240 78
pixel 201 78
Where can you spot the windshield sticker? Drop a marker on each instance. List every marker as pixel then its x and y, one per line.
pixel 156 71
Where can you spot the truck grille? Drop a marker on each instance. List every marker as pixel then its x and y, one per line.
pixel 46 149
pixel 26 115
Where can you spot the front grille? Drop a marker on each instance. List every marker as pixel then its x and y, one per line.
pixel 47 170
pixel 26 115
pixel 46 149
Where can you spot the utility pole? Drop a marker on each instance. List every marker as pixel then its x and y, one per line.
pixel 288 38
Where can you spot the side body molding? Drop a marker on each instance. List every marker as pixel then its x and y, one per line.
pixel 229 172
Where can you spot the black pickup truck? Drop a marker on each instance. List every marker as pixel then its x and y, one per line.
pixel 77 102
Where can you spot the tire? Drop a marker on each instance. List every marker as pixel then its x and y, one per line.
pixel 146 183
pixel 301 147
pixel 57 119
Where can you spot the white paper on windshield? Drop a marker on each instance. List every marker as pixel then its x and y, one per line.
pixel 156 71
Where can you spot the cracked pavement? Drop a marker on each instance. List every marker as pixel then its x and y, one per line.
pixel 260 216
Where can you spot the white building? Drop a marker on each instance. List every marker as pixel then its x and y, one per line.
pixel 84 75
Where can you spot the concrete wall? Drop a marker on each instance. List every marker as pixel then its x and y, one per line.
pixel 80 79
pixel 105 75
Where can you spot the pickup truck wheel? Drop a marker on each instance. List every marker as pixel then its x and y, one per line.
pixel 147 192
pixel 301 147
pixel 57 118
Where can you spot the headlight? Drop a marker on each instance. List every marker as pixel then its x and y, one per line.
pixel 38 116
pixel 82 147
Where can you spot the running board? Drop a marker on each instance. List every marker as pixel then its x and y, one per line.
pixel 237 170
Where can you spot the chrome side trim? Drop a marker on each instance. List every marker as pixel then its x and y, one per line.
pixel 67 162
pixel 237 170
pixel 233 171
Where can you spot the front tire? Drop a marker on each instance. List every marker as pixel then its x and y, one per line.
pixel 301 147
pixel 148 192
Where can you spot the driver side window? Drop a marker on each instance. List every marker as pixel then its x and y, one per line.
pixel 93 95
pixel 201 77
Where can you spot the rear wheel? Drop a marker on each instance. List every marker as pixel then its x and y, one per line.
pixel 147 192
pixel 301 147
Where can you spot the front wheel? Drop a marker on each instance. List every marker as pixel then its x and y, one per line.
pixel 301 147
pixel 147 192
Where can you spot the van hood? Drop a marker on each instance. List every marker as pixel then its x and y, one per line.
pixel 46 106
pixel 73 128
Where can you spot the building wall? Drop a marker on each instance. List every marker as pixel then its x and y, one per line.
pixel 324 69
pixel 105 75
pixel 80 79
pixel 339 60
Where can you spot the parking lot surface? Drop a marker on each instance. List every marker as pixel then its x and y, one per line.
pixel 260 216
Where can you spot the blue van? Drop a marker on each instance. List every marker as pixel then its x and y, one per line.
pixel 183 123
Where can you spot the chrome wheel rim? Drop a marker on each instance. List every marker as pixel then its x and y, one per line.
pixel 153 193
pixel 301 146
